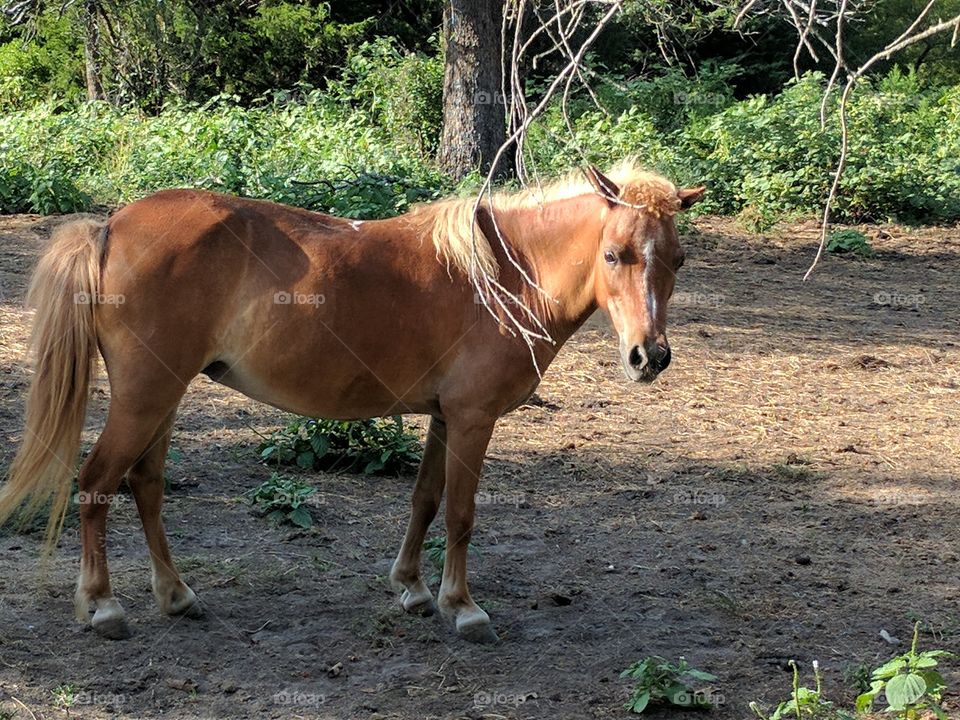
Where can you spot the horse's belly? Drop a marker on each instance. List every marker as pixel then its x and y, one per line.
pixel 330 383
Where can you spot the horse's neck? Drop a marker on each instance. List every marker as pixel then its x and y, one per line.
pixel 558 242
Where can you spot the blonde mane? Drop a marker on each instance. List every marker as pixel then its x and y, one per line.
pixel 460 243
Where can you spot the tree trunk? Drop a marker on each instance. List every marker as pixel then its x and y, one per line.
pixel 91 51
pixel 474 114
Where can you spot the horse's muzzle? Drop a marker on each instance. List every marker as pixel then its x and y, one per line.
pixel 644 364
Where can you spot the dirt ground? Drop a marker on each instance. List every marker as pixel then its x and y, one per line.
pixel 786 490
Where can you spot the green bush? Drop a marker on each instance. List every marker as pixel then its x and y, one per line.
pixel 313 153
pixel 849 241
pixel 381 446
pixel 402 93
pixel 770 156
pixel 364 150
pixel 283 500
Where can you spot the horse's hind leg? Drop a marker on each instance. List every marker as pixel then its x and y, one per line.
pixel 405 574
pixel 126 436
pixel 146 482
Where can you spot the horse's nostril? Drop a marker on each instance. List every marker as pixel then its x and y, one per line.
pixel 665 358
pixel 636 358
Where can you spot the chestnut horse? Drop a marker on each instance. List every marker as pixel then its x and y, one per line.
pixel 329 318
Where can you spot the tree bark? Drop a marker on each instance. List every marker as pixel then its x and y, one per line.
pixel 474 113
pixel 91 51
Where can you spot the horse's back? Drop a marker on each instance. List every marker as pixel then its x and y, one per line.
pixel 309 312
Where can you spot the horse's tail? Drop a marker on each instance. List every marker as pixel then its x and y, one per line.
pixel 63 290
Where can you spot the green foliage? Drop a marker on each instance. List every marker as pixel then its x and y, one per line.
pixel 660 682
pixel 769 156
pixel 312 153
pixel 363 149
pixel 402 93
pixel 381 446
pixel 849 241
pixel 804 702
pixel 910 683
pixel 152 53
pixel 64 696
pixel 283 500
pixel 48 64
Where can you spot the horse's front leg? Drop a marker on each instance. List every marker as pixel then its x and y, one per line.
pixel 467 441
pixel 405 574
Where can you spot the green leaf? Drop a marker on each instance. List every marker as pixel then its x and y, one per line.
pixel 320 444
pixel 890 668
pixel 934 681
pixel 305 459
pixel 865 701
pixel 701 675
pixel 300 517
pixel 640 702
pixel 905 689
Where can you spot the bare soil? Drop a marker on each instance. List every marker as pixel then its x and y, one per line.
pixel 786 490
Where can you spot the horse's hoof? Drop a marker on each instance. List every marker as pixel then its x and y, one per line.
pixel 479 631
pixel 194 612
pixel 423 606
pixel 109 622
pixel 187 605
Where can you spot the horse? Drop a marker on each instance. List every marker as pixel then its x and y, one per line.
pixel 329 318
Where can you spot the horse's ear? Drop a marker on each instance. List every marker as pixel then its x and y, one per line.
pixel 689 196
pixel 603 185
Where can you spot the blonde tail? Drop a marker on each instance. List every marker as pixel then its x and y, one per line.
pixel 63 290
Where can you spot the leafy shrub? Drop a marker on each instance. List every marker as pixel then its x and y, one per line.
pixel 400 92
pixel 804 702
pixel 363 150
pixel 46 190
pixel 369 446
pixel 849 241
pixel 660 682
pixel 910 683
pixel 283 499
pixel 771 155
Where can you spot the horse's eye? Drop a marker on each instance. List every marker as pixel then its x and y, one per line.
pixel 610 257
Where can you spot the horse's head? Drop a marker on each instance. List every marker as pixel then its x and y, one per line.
pixel 636 266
